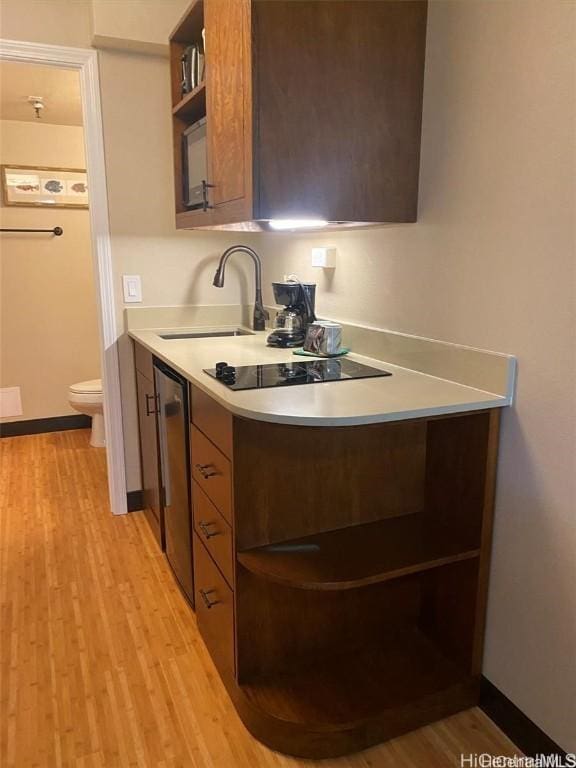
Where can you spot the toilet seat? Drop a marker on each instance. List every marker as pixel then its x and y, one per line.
pixel 87 397
pixel 92 387
pixel 86 400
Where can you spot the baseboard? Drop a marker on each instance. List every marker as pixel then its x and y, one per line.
pixel 134 500
pixel 38 426
pixel 515 724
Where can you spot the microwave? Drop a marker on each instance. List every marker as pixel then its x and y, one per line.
pixel 194 165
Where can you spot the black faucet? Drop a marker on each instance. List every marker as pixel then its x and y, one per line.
pixel 260 314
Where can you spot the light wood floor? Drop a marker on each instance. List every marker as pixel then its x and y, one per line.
pixel 100 661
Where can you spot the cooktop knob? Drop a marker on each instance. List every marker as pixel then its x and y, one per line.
pixel 228 372
pixel 220 368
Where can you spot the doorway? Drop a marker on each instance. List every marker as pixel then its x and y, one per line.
pixel 82 64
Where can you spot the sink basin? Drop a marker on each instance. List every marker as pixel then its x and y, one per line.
pixel 206 333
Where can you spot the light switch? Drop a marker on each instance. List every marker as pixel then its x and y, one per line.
pixel 132 288
pixel 324 257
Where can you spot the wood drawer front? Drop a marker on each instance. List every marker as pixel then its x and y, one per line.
pixel 214 609
pixel 211 470
pixel 143 361
pixel 214 532
pixel 213 419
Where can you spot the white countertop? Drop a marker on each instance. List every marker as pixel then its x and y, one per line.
pixel 407 394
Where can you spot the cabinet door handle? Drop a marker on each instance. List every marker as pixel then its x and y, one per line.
pixel 205 187
pixel 206 470
pixel 205 528
pixel 204 594
pixel 155 409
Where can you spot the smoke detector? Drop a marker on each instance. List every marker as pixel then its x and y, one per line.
pixel 37 103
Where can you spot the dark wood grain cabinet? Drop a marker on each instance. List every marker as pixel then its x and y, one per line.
pixel 313 110
pixel 227 33
pixel 149 457
pixel 341 572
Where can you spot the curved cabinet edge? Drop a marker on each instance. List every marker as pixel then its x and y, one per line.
pixel 251 564
pixel 336 740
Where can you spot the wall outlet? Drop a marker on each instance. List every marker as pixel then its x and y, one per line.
pixel 132 288
pixel 324 257
pixel 10 402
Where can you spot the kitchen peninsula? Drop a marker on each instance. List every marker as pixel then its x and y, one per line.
pixel 341 533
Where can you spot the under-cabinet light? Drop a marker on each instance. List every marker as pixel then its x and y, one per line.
pixel 297 223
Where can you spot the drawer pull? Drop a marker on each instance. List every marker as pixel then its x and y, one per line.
pixel 204 595
pixel 206 470
pixel 205 528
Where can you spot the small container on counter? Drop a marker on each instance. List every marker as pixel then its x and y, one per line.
pixel 323 337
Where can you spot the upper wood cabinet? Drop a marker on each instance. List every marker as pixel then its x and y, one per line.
pixel 313 110
pixel 228 78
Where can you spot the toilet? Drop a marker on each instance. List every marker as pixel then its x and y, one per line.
pixel 86 397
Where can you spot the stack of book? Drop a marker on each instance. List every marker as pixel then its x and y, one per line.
pixel 192 61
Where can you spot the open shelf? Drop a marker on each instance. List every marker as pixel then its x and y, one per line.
pixel 360 555
pixel 189 28
pixel 193 106
pixel 341 691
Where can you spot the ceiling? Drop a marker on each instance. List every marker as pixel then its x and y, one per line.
pixel 60 89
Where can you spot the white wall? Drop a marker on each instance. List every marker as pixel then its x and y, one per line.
pixel 143 25
pixel 56 22
pixel 491 263
pixel 176 267
pixel 48 314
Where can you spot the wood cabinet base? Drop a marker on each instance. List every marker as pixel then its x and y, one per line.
pixel 300 740
pixel 330 672
pixel 343 602
pixel 149 453
pixel 358 683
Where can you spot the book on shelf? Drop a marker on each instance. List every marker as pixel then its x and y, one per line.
pixel 193 66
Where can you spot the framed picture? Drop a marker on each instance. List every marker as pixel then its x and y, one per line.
pixel 44 187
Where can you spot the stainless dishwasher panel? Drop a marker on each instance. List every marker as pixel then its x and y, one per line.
pixel 174 452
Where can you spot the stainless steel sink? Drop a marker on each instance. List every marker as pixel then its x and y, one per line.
pixel 206 333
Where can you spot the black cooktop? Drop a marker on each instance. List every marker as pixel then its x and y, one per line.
pixel 291 374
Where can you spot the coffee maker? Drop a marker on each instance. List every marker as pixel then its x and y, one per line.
pixel 292 321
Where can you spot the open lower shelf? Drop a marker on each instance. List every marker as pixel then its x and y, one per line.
pixel 360 555
pixel 342 691
pixel 192 107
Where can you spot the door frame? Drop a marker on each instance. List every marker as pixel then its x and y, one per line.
pixel 85 62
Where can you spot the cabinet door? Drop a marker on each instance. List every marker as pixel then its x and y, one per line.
pixel 228 101
pixel 149 453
